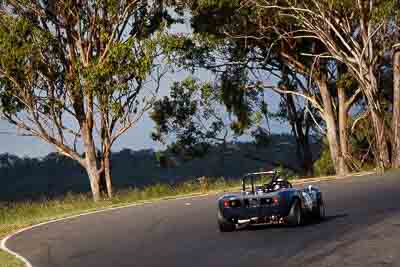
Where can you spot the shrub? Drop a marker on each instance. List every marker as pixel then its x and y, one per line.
pixel 188 187
pixel 286 173
pixel 219 183
pixel 204 183
pixel 324 165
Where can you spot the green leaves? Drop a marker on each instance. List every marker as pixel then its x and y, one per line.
pixel 385 9
pixel 21 48
pixel 191 116
pixel 191 51
pixel 9 104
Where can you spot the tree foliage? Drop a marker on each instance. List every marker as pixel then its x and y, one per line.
pixel 337 53
pixel 72 72
pixel 192 114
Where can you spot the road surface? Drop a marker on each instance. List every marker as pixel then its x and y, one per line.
pixel 362 229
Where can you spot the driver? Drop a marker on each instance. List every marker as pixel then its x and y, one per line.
pixel 279 184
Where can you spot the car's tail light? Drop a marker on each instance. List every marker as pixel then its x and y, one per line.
pixel 275 200
pixel 232 203
pixel 235 203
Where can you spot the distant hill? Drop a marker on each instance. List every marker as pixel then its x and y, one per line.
pixel 54 174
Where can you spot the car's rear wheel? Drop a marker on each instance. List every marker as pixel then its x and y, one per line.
pixel 295 217
pixel 225 225
pixel 319 210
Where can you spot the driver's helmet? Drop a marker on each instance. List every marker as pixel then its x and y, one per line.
pixel 277 187
pixel 280 183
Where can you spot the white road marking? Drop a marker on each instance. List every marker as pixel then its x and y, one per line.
pixel 18 256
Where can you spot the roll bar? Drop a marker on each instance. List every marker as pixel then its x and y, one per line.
pixel 251 176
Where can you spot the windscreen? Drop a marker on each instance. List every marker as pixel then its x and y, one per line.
pixel 255 182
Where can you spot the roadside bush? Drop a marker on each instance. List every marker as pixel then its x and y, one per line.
pixel 219 183
pixel 286 173
pixel 204 183
pixel 162 190
pixel 324 165
pixel 188 187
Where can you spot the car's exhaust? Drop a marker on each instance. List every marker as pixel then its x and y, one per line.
pixel 273 219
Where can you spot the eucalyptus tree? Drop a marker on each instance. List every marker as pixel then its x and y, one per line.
pixel 271 48
pixel 323 89
pixel 356 33
pixel 74 73
pixel 239 64
pixel 396 94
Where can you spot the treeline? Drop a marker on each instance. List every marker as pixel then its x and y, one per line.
pixel 55 175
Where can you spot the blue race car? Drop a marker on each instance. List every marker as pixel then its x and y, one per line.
pixel 273 202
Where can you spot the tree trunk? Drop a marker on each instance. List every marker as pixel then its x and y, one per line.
pixel 105 159
pixel 382 148
pixel 331 128
pixel 91 162
pixel 105 176
pixel 343 133
pixel 396 110
pixel 308 164
pixel 378 119
pixel 107 172
pixel 303 139
pixel 308 154
pixel 303 149
pixel 94 178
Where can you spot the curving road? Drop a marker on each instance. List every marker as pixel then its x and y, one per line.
pixel 362 229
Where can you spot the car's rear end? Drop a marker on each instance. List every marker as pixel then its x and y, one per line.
pixel 258 207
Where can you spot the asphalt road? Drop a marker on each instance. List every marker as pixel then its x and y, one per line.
pixel 362 229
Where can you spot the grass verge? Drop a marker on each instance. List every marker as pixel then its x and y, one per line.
pixel 15 216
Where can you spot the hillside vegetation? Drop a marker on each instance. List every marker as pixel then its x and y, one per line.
pixel 55 175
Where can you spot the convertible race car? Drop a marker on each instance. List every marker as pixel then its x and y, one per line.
pixel 273 202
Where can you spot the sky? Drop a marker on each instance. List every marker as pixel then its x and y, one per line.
pixel 136 138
